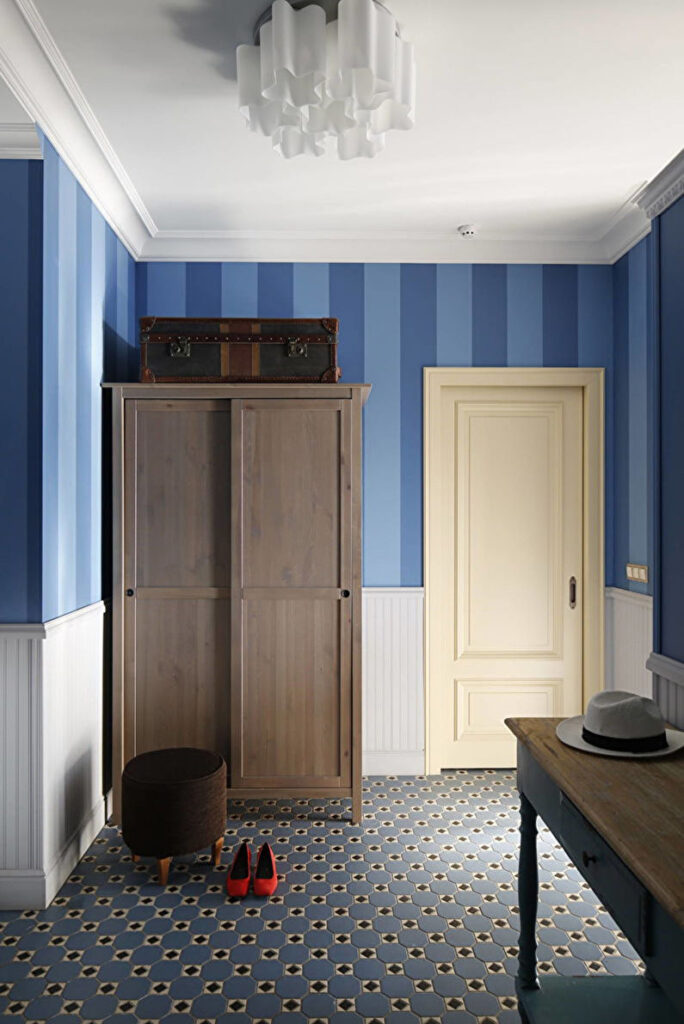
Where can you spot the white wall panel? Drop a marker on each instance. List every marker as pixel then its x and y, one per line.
pixel 20 741
pixel 393 704
pixel 51 804
pixel 72 730
pixel 629 641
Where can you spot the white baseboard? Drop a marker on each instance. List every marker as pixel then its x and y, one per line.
pixel 51 804
pixel 35 890
pixel 394 762
pixel 22 890
pixel 72 851
pixel 629 641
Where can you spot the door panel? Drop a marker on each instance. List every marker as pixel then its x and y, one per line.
pixel 292 679
pixel 177 566
pixel 183 494
pixel 509 460
pixel 182 671
pixel 291 672
pixel 291 495
pixel 505 538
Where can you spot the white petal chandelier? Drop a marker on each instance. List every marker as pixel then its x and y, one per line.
pixel 344 73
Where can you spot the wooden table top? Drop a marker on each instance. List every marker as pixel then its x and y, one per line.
pixel 636 805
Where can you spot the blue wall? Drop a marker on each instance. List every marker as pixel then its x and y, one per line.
pixel 89 335
pixel 396 319
pixel 634 451
pixel 670 592
pixel 21 186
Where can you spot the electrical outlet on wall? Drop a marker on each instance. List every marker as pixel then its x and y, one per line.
pixel 637 573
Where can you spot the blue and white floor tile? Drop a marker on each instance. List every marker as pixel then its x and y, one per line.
pixel 410 918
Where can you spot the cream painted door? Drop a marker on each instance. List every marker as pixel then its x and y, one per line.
pixel 505 542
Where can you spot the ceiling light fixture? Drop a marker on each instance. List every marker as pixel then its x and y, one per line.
pixel 327 69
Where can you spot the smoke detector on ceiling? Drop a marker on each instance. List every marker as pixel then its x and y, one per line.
pixel 467 230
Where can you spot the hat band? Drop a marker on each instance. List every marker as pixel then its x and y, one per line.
pixel 638 745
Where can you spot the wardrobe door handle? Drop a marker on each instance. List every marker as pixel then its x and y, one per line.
pixel 130 593
pixel 345 593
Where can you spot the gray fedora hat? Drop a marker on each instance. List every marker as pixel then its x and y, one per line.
pixel 620 724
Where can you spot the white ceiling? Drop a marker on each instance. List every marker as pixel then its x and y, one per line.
pixel 11 111
pixel 537 120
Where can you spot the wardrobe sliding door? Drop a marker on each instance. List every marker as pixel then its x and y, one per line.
pixel 291 590
pixel 176 574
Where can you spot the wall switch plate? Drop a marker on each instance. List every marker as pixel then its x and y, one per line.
pixel 638 573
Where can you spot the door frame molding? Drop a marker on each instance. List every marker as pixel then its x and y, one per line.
pixel 592 382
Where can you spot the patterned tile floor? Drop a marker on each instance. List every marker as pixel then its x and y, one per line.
pixel 410 918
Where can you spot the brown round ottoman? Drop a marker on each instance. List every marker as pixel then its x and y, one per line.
pixel 173 801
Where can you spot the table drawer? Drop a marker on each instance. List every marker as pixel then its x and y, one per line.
pixel 615 885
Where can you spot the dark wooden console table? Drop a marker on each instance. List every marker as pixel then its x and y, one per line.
pixel 621 822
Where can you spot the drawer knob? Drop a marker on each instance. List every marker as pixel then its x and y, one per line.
pixel 588 858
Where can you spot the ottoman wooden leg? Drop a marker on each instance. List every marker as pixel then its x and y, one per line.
pixel 216 850
pixel 163 869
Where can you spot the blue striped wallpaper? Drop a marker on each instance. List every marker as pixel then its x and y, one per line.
pixel 89 335
pixel 396 319
pixel 633 444
pixel 21 187
pixel 670 591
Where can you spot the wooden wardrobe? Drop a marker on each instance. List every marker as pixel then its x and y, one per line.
pixel 237 581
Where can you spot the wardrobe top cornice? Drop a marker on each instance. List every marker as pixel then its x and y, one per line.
pixel 243 390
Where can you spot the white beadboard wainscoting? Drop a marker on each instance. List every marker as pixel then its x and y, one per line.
pixel 393 699
pixel 668 687
pixel 51 804
pixel 629 641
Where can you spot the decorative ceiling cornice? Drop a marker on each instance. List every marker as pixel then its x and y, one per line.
pixel 665 189
pixel 19 142
pixel 37 73
pixel 348 247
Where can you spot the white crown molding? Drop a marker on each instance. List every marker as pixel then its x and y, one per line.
pixel 63 71
pixel 624 233
pixel 665 189
pixel 19 142
pixel 343 247
pixel 623 230
pixel 38 76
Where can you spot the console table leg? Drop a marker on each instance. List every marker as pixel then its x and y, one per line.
pixel 527 895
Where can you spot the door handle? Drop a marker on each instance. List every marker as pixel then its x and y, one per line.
pixel 573 592
pixel 345 593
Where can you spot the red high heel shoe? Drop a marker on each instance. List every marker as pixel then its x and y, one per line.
pixel 265 875
pixel 237 882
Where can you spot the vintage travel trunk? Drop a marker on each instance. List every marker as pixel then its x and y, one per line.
pixel 206 350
